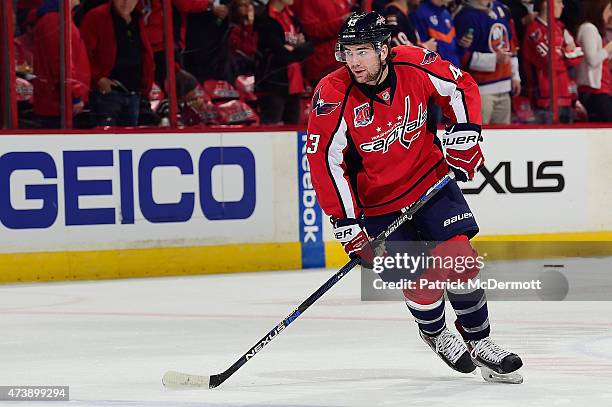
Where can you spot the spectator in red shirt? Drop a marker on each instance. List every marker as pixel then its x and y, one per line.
pixel 536 49
pixel 321 20
pixel 242 40
pixel 121 59
pixel 46 59
pixel 242 37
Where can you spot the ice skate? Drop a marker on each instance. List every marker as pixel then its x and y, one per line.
pixel 451 350
pixel 496 364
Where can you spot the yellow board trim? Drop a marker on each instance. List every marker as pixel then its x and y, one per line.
pixel 510 247
pixel 550 237
pixel 176 261
pixel 105 264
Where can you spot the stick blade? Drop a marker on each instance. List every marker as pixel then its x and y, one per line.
pixel 178 379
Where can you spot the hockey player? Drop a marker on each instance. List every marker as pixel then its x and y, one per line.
pixel 370 155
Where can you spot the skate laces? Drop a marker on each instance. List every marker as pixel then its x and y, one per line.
pixel 488 350
pixel 449 345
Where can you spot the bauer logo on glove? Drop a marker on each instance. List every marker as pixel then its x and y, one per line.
pixel 463 154
pixel 354 239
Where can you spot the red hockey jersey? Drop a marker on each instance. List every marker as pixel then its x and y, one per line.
pixel 381 160
pixel 535 50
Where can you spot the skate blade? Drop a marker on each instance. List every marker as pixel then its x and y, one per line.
pixel 494 377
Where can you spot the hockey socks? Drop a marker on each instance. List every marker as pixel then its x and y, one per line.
pixel 472 313
pixel 497 364
pixel 429 317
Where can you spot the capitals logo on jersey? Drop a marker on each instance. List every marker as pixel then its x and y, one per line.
pixel 363 116
pixel 405 130
pixel 429 58
pixel 320 107
pixel 499 38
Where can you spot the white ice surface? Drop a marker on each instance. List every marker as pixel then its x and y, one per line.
pixel 111 341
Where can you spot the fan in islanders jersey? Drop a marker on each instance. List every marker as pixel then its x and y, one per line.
pixel 370 156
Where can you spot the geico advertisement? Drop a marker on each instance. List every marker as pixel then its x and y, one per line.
pixel 533 181
pixel 109 190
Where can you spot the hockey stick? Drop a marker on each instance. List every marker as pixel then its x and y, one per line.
pixel 177 379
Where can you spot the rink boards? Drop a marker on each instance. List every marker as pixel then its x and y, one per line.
pixel 87 206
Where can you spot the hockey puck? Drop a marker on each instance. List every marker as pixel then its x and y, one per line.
pixel 554 286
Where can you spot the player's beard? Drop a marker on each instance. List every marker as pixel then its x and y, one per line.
pixel 372 76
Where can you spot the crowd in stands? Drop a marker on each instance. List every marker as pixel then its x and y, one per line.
pixel 241 62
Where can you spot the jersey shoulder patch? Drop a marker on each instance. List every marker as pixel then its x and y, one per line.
pixel 329 94
pixel 415 55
